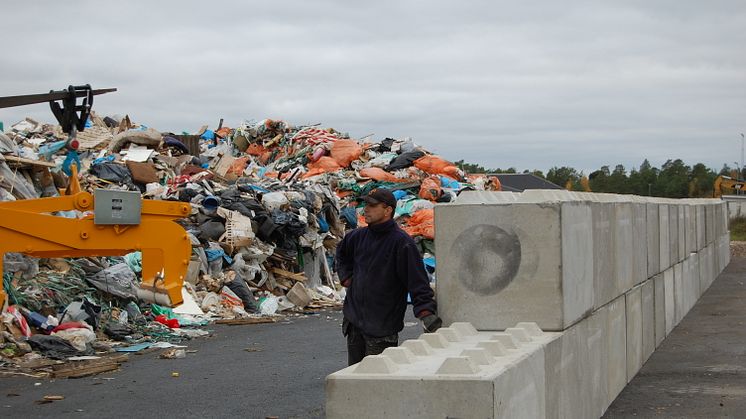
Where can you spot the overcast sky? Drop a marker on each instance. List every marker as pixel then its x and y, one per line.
pixel 522 84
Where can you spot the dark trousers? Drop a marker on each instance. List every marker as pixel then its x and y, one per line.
pixel 360 345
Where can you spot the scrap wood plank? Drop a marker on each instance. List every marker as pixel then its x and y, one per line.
pixel 289 275
pixel 76 369
pixel 21 161
pixel 251 320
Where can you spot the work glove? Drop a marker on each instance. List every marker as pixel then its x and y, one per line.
pixel 431 323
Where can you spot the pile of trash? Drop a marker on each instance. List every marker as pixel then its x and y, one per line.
pixel 270 202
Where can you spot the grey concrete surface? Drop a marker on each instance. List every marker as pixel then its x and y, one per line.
pixel 282 375
pixel 699 371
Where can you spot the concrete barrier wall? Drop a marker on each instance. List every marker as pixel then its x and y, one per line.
pixel 606 277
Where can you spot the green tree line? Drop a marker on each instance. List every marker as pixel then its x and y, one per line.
pixel 674 179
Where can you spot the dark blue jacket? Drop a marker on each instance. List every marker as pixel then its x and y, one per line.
pixel 383 263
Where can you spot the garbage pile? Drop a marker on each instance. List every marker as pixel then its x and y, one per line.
pixel 270 201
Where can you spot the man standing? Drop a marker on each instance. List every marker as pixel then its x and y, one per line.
pixel 379 264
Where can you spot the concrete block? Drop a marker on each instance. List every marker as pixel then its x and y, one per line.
pixel 486 197
pixel 504 263
pixel 701 226
pixel 640 243
pixel 616 344
pixel 660 309
pixel 711 263
pixel 634 331
pixel 690 216
pixel 709 223
pixel 623 246
pixel 577 261
pixel 678 292
pixel 568 394
pixel 653 239
pixel 673 233
pixel 703 276
pixel 725 250
pixel 520 391
pixel 670 305
pixel 461 379
pixel 648 319
pixel 605 288
pixel 683 253
pixel 598 360
pixel 665 244
pixel 693 280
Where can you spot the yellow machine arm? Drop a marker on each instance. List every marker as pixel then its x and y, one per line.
pixel 28 227
pixel 726 185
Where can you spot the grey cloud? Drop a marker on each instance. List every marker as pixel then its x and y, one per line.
pixel 528 85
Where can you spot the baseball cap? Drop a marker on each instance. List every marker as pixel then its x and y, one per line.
pixel 380 195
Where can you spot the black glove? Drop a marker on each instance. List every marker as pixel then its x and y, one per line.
pixel 431 323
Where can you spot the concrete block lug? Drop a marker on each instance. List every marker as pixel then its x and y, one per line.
pixel 507 340
pixel 418 347
pixel 519 334
pixel 465 328
pixel 376 364
pixel 400 355
pixel 450 334
pixel 458 365
pixel 435 340
pixel 495 347
pixel 531 328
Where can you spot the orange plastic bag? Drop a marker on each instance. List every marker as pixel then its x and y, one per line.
pixel 378 174
pixel 430 189
pixel 421 223
pixel 238 166
pixel 435 165
pixel 256 149
pixel 345 151
pixel 323 165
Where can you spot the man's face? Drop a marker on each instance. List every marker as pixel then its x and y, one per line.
pixel 377 213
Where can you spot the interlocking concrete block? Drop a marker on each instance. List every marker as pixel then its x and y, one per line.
pixel 648 319
pixel 693 289
pixel 616 343
pixel 634 331
pixel 665 239
pixel 690 217
pixel 653 239
pixel 568 372
pixel 660 309
pixel 678 292
pixel 704 282
pixel 683 253
pixel 701 226
pixel 712 262
pixel 462 378
pixel 670 304
pixel 598 361
pixel 577 261
pixel 673 233
pixel 709 223
pixel 605 288
pixel 622 233
pixel 486 197
pixel 639 243
pixel 724 251
pixel 504 263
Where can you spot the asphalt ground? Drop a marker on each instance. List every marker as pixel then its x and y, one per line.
pixel 699 371
pixel 265 370
pixel 250 371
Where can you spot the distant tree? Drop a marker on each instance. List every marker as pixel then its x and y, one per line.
pixel 561 175
pixel 673 181
pixel 701 181
pixel 599 180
